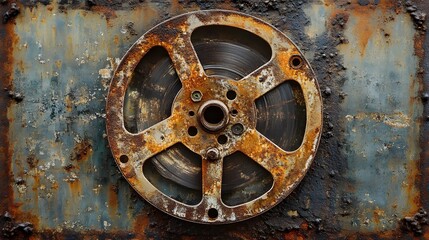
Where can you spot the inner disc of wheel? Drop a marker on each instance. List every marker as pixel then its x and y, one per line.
pixel 214 116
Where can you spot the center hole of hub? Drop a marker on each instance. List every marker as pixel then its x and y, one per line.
pixel 214 114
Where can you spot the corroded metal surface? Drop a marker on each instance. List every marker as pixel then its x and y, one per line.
pixel 355 47
pixel 287 168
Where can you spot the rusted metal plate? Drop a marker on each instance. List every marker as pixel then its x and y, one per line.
pixel 370 172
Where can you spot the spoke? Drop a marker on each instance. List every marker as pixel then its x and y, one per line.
pixel 277 161
pixel 265 79
pixel 154 139
pixel 212 180
pixel 185 59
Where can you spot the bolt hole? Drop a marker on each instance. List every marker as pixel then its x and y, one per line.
pixel 237 129
pixel 196 96
pixel 213 115
pixel 234 112
pixel 192 131
pixel 212 213
pixel 123 158
pixel 191 113
pixel 231 95
pixel 296 61
pixel 222 139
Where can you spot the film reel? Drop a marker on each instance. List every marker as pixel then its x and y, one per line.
pixel 214 116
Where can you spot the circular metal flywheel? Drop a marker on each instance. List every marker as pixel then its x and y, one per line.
pixel 214 116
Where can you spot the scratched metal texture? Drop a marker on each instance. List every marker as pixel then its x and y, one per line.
pixel 58 176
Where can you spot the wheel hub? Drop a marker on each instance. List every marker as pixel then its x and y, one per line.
pixel 213 115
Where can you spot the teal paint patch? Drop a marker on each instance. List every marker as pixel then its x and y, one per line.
pixel 381 121
pixel 62 67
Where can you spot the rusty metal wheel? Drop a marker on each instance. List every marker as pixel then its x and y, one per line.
pixel 214 116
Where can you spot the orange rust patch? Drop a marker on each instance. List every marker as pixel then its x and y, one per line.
pixel 355 6
pixel 377 214
pixel 294 235
pixel 141 223
pixel 109 13
pixel 113 200
pixel 81 151
pixel 7 44
pixel 364 30
pixel 304 226
pixel 364 27
pixel 426 236
pixel 54 186
pixel 225 5
pixel 35 188
pixel 116 40
pixel 36 184
pixel 284 58
pixel 69 103
pixel 410 185
pixel 75 188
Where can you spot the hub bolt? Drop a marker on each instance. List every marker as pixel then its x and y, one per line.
pixel 213 154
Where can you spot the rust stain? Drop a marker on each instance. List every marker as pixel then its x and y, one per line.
pixel 69 103
pixel 294 235
pixel 140 224
pixel 146 12
pixel 32 161
pixel 414 176
pixel 81 151
pixel 75 188
pixel 225 5
pixel 426 235
pixel 116 40
pixel 113 200
pixel 55 186
pixel 300 234
pixel 35 188
pixel 364 31
pixel 108 12
pixel 9 39
pixel 365 26
pixel 70 167
pixel 377 214
pixel 421 179
pixel 410 186
pixel 175 6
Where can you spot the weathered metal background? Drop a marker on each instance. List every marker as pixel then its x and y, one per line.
pixel 370 177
